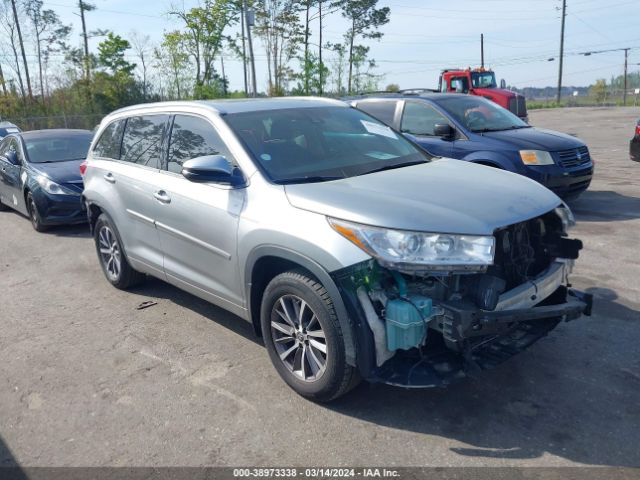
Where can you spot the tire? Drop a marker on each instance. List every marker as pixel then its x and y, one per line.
pixel 298 322
pixel 3 207
pixel 34 214
pixel 112 257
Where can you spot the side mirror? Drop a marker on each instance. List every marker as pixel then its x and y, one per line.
pixel 12 157
pixel 444 130
pixel 211 168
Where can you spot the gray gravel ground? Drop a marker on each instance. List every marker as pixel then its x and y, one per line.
pixel 86 379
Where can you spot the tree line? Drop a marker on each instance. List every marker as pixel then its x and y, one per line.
pixel 49 79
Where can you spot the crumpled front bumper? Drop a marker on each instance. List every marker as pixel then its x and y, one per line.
pixel 544 297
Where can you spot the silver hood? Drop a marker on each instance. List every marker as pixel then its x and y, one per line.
pixel 445 196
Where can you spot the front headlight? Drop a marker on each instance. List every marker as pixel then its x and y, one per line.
pixel 419 250
pixel 566 215
pixel 536 157
pixel 52 187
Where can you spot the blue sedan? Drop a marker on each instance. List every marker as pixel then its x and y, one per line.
pixel 474 129
pixel 40 175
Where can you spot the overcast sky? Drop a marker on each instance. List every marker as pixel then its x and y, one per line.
pixel 424 36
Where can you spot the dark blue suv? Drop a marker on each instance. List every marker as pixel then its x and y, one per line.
pixel 474 129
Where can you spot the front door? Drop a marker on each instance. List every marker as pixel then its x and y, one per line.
pixel 10 176
pixel 198 222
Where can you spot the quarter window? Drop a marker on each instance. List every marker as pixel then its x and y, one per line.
pixel 193 137
pixel 419 118
pixel 108 146
pixel 142 140
pixel 382 110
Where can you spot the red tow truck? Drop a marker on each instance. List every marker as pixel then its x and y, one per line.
pixel 482 82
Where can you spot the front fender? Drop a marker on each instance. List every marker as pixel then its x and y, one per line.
pixel 319 272
pixel 496 159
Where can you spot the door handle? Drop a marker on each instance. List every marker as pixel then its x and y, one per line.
pixel 162 196
pixel 109 177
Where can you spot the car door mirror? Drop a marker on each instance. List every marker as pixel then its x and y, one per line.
pixel 444 130
pixel 12 157
pixel 211 168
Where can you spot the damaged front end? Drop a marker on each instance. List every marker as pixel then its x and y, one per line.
pixel 420 326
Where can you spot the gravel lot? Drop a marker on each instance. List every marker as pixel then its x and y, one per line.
pixel 86 379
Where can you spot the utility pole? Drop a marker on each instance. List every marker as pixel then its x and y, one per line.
pixel 243 8
pixel 624 93
pixel 321 72
pixel 83 7
pixel 482 50
pixel 24 55
pixel 250 19
pixel 564 14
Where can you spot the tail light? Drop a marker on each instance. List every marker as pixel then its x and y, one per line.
pixel 638 130
pixel 83 168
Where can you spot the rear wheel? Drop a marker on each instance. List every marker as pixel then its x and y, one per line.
pixel 303 337
pixel 112 257
pixel 34 214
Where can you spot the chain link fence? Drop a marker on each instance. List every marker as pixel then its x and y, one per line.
pixel 88 122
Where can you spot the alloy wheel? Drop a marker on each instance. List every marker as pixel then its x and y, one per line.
pixel 110 253
pixel 299 338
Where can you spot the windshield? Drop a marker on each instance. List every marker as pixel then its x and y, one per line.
pixel 480 115
pixel 62 148
pixel 483 79
pixel 300 145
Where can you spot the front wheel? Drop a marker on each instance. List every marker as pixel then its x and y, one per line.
pixel 303 337
pixel 112 257
pixel 34 214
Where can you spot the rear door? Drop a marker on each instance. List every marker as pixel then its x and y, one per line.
pixel 198 222
pixel 418 123
pixel 130 180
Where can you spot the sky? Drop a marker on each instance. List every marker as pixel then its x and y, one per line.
pixel 424 36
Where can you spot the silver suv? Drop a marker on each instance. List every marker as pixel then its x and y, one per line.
pixel 353 253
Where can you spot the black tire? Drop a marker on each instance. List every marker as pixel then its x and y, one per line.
pixel 123 276
pixel 34 214
pixel 334 377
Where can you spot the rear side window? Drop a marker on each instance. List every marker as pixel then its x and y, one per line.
pixel 193 137
pixel 108 146
pixel 419 118
pixel 142 140
pixel 382 110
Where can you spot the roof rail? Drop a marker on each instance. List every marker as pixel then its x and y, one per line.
pixel 417 91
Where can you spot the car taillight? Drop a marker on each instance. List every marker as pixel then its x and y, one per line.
pixel 638 130
pixel 83 168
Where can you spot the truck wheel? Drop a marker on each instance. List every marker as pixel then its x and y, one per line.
pixel 303 337
pixel 112 257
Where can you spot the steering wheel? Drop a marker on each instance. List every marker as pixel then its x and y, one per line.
pixel 475 120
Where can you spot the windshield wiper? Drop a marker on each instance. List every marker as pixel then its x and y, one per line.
pixel 308 179
pixel 396 165
pixel 512 127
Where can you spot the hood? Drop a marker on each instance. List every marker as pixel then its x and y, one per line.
pixel 536 139
pixel 496 92
pixel 444 196
pixel 60 172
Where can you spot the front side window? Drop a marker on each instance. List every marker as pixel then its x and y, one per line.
pixel 193 137
pixel 479 114
pixel 419 118
pixel 109 143
pixel 142 140
pixel 460 84
pixel 297 145
pixel 483 80
pixel 383 110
